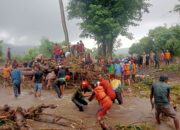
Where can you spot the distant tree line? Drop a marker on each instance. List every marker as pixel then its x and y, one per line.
pixel 159 39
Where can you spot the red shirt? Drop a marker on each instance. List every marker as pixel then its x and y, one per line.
pixel 108 88
pixel 56 50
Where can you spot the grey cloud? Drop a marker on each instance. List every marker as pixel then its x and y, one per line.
pixel 34 19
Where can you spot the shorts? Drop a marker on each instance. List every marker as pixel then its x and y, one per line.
pixel 167 110
pixel 38 87
pixel 126 77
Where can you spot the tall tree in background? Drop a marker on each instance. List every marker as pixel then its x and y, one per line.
pixel 104 20
pixel 64 23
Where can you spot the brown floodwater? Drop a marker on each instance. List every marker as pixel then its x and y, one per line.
pixel 134 110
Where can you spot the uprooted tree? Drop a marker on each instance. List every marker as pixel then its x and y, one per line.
pixel 104 20
pixel 16 118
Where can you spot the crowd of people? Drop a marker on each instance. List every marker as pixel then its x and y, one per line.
pixel 105 89
pixel 154 58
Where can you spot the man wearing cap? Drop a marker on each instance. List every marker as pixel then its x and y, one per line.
pixel 160 91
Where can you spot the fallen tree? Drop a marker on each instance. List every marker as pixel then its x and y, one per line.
pixel 16 118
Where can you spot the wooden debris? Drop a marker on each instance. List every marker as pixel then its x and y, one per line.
pixel 18 117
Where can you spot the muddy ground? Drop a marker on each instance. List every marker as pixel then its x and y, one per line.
pixel 134 110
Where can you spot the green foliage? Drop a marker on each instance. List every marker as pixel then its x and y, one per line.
pixel 46 47
pixel 159 39
pixel 1 52
pixel 171 68
pixel 32 52
pixel 104 20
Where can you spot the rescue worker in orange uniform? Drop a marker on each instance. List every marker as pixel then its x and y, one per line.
pixel 167 57
pixel 107 87
pixel 80 94
pixel 103 99
pixel 6 74
pixel 127 72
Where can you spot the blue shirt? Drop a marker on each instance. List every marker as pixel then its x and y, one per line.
pixel 117 69
pixel 16 76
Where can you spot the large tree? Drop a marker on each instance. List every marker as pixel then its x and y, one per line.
pixel 104 20
pixel 63 19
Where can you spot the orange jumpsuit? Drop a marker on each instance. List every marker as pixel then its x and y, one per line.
pixel 104 101
pixel 108 89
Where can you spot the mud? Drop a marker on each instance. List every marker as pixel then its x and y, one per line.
pixel 134 110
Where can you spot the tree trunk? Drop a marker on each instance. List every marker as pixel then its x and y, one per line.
pixel 64 23
pixel 104 49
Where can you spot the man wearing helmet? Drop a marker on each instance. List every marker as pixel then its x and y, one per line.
pixel 80 93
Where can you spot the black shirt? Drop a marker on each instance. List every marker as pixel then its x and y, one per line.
pixel 61 73
pixel 59 82
pixel 38 76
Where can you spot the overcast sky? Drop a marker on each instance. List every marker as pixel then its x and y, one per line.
pixel 27 21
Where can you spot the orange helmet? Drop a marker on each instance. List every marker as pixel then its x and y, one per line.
pixel 67 77
pixel 84 84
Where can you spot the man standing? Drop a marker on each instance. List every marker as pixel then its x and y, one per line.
pixel 37 78
pixel 6 74
pixel 8 54
pixel 152 57
pixel 16 79
pixel 156 59
pixel 167 57
pixel 161 93
pixel 117 70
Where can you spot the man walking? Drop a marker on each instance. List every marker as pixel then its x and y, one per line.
pixel 16 79
pixel 161 93
pixel 37 78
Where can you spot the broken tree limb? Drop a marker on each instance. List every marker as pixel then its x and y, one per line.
pixel 18 117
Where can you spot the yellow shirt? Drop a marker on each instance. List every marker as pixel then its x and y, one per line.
pixel 115 83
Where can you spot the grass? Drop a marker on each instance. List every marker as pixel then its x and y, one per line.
pixel 171 68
